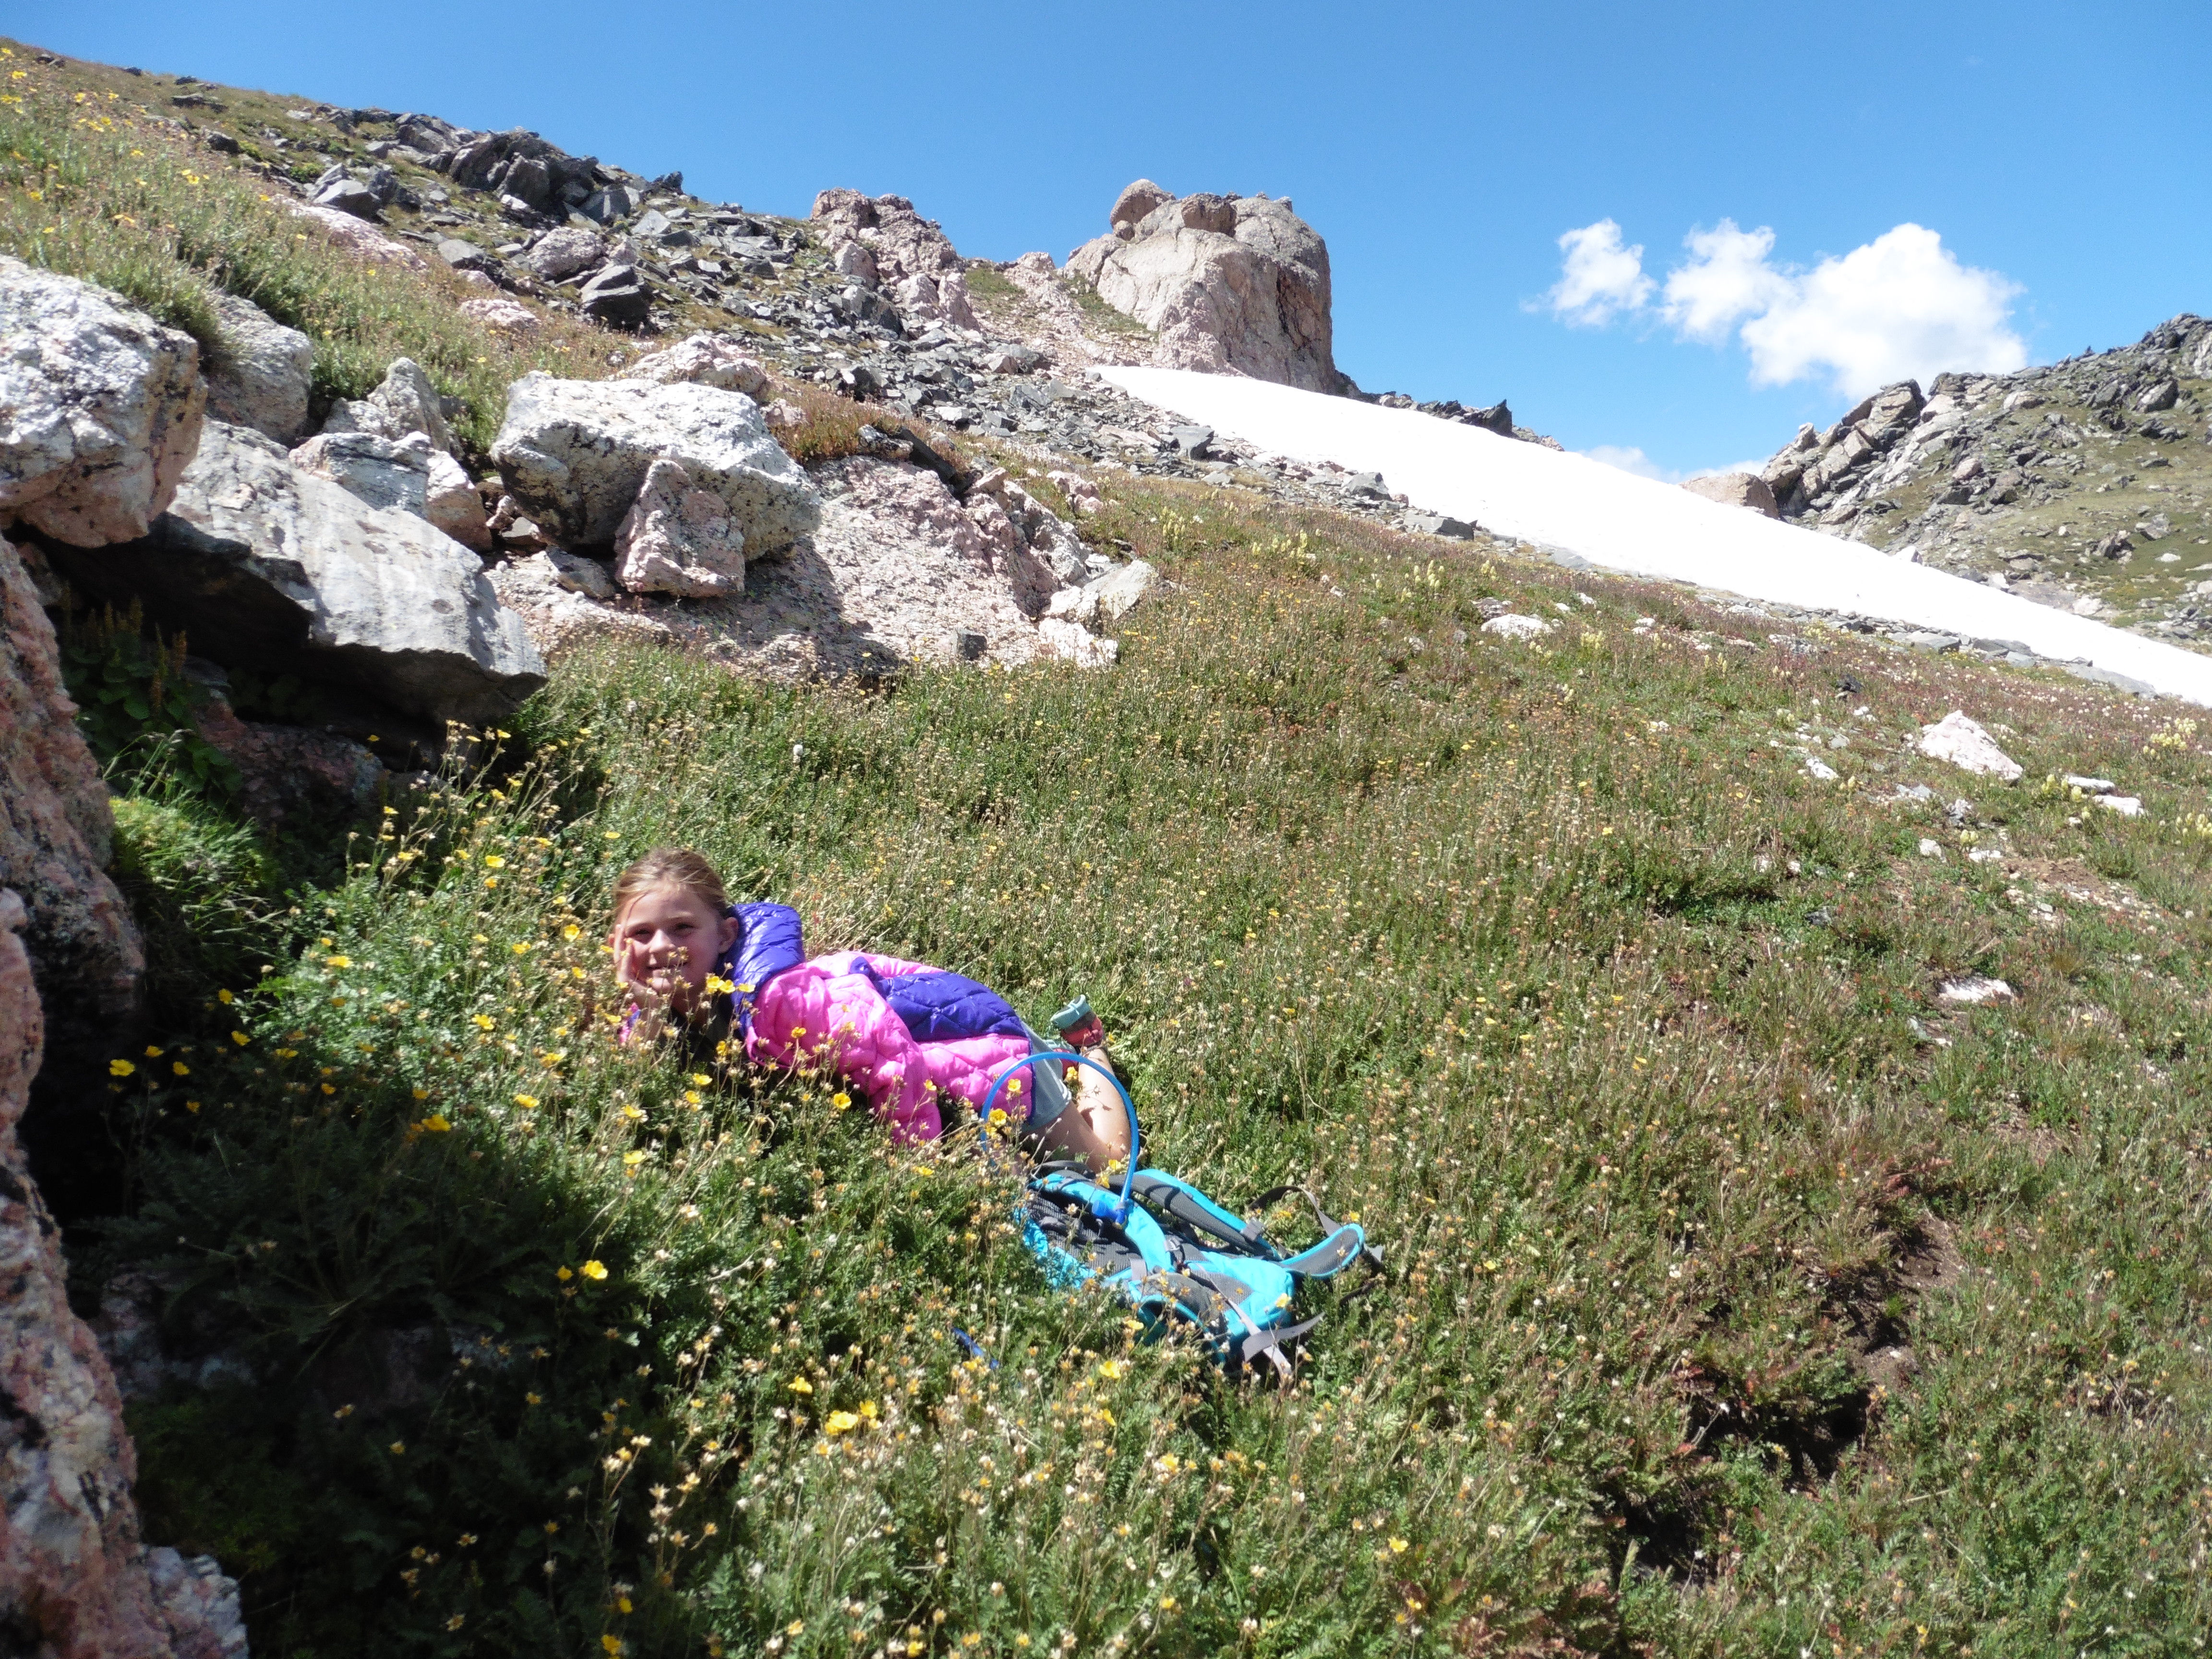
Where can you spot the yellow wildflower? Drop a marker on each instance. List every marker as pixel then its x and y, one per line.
pixel 841 1422
pixel 800 1385
pixel 120 1068
pixel 594 1269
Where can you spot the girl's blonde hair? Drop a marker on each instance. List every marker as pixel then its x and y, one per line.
pixel 670 866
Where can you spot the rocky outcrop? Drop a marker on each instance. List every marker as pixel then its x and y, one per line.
pixel 55 830
pixel 74 1579
pixel 99 408
pixel 2078 484
pixel 881 242
pixel 575 454
pixel 267 564
pixel 264 374
pixel 1229 284
pixel 901 569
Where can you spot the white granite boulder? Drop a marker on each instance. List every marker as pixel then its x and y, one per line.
pixel 100 408
pixel 1963 744
pixel 575 454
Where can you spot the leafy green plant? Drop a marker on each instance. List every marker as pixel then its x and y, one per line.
pixel 134 698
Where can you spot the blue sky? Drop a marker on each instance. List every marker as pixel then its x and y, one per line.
pixel 1442 149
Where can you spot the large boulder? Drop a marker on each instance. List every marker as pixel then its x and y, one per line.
pixel 263 375
pixel 1228 284
pixel 267 564
pixel 918 568
pixel 1735 489
pixel 904 252
pixel 561 253
pixel 575 454
pixel 99 408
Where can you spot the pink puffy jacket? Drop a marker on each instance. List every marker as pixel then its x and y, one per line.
pixel 839 1009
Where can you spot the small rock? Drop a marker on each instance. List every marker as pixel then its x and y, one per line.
pixel 1914 791
pixel 1819 770
pixel 450 502
pixel 504 315
pixel 580 575
pixel 1507 625
pixel 2089 785
pixel 348 196
pixel 1975 988
pixel 403 402
pixel 464 256
pixel 2128 806
pixel 1121 591
pixel 1963 744
pixel 1191 443
pixel 1072 643
pixel 617 294
pixel 1436 524
pixel 1931 848
pixel 1935 644
pixel 1985 854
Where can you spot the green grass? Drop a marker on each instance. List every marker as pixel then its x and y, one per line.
pixel 95 186
pixel 1541 959
pixel 988 282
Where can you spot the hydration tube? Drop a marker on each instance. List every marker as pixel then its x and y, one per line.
pixel 1129 1175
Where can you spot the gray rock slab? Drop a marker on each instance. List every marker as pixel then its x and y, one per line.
pixel 267 565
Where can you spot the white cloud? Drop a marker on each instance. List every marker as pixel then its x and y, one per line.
pixel 1599 278
pixel 1902 307
pixel 1630 460
pixel 1727 279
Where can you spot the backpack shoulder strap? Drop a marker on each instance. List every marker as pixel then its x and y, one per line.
pixel 1205 1217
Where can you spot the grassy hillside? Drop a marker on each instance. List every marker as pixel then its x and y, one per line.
pixel 1743 1296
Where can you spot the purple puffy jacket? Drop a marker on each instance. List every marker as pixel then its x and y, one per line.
pixel 919 1043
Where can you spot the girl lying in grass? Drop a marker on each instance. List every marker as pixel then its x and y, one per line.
pixel 921 1044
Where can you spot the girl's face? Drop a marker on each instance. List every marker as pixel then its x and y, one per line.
pixel 668 941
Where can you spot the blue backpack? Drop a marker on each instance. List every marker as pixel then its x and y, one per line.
pixel 1173 1255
